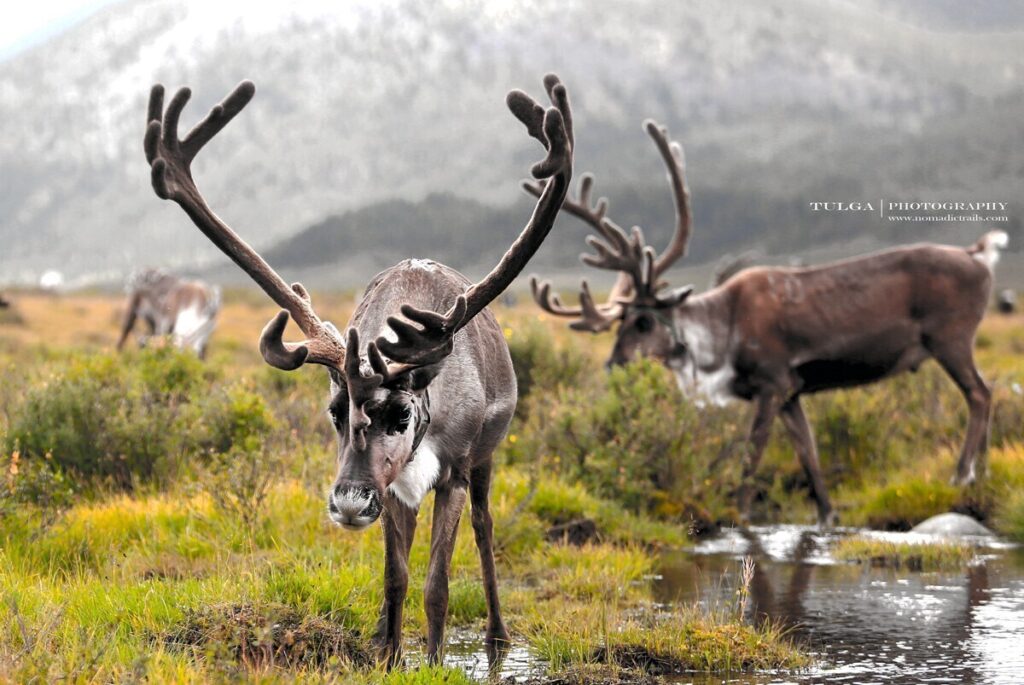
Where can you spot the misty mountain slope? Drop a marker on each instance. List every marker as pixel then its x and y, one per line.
pixel 366 103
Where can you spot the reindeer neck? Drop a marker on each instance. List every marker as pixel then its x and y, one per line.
pixel 706 322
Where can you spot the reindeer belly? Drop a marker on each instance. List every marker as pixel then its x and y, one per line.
pixel 861 359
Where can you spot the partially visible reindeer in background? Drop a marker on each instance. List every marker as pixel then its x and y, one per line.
pixel 771 334
pixel 171 306
pixel 424 404
pixel 4 302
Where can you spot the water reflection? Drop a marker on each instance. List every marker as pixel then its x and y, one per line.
pixel 866 623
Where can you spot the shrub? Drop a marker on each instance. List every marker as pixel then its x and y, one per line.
pixel 905 503
pixel 1010 520
pixel 540 363
pixel 110 418
pixel 145 417
pixel 637 441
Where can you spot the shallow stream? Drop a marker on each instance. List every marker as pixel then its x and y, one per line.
pixel 863 624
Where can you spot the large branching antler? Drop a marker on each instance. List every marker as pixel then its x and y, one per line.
pixel 423 337
pixel 170 160
pixel 638 266
pixel 427 337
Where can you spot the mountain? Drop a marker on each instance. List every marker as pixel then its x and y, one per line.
pixel 369 116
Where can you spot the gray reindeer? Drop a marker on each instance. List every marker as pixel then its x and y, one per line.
pixel 428 399
pixel 171 306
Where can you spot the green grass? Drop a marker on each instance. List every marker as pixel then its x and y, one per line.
pixel 655 643
pixel 189 503
pixel 914 556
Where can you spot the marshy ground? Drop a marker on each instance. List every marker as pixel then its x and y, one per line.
pixel 164 519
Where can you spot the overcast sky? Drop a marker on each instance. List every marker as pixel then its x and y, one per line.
pixel 26 24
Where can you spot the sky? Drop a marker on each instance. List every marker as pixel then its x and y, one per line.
pixel 27 24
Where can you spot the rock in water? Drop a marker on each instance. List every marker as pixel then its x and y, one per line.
pixel 951 525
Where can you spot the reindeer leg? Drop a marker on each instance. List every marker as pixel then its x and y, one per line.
pixel 449 501
pixel 802 437
pixel 497 638
pixel 766 407
pixel 129 320
pixel 958 361
pixel 399 523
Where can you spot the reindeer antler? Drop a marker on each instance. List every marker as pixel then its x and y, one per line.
pixel 170 159
pixel 638 266
pixel 434 338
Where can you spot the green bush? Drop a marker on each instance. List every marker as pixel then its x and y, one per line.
pixel 906 503
pixel 118 419
pixel 146 417
pixel 1011 518
pixel 635 440
pixel 540 363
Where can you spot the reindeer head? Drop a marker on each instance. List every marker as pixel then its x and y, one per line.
pixel 380 402
pixel 639 302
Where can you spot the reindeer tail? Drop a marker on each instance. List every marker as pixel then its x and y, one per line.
pixel 986 250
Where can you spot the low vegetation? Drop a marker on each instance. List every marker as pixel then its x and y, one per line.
pixel 163 519
pixel 914 556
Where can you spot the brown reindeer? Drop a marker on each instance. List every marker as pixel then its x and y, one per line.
pixel 424 404
pixel 171 306
pixel 771 334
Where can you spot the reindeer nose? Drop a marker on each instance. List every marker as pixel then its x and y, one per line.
pixel 353 506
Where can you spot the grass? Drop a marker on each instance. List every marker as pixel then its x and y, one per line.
pixel 221 565
pixel 173 577
pixel 651 642
pixel 914 556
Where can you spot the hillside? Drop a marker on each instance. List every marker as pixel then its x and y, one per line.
pixel 382 106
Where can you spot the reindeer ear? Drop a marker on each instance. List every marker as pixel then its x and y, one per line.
pixel 675 296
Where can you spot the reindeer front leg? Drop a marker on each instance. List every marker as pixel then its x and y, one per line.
pixel 765 408
pixel 399 522
pixel 449 501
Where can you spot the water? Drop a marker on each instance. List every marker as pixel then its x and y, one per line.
pixel 866 624
pixel 863 624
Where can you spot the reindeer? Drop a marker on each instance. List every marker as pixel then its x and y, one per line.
pixel 428 399
pixel 769 335
pixel 171 306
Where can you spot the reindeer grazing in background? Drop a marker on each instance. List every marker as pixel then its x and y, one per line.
pixel 771 334
pixel 424 404
pixel 185 310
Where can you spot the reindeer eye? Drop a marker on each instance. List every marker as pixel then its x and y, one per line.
pixel 399 419
pixel 644 323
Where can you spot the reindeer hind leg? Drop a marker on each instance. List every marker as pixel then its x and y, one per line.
pixel 958 362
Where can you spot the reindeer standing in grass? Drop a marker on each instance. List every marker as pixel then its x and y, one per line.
pixel 772 334
pixel 425 402
pixel 171 306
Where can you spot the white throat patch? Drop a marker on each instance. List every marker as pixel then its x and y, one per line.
pixel 698 376
pixel 417 477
